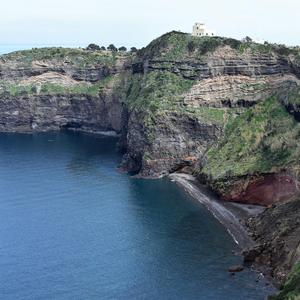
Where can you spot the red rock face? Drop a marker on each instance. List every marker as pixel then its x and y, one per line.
pixel 264 190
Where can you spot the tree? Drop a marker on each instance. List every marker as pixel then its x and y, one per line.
pixel 122 49
pixel 112 48
pixel 133 50
pixel 103 48
pixel 93 47
pixel 248 39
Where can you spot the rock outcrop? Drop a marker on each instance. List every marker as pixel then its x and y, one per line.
pixel 54 112
pixel 50 89
pixel 200 85
pixel 277 234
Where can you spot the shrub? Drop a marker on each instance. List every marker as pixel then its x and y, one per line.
pixel 93 47
pixel 112 48
pixel 133 50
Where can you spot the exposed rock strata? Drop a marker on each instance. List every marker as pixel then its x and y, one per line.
pixel 175 140
pixel 16 70
pixel 277 233
pixel 237 90
pixel 48 112
pixel 67 103
pixel 223 79
pixel 223 61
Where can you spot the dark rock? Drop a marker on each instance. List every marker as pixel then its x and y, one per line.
pixel 277 234
pixel 251 254
pixel 236 269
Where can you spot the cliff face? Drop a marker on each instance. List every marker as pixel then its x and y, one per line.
pixel 53 112
pixel 226 111
pixel 185 91
pixel 49 89
pixel 176 103
pixel 276 232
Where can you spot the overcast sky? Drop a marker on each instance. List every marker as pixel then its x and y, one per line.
pixel 137 22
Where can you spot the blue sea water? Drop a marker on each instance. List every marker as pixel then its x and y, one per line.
pixel 73 227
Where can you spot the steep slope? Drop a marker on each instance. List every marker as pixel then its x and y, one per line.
pixel 184 90
pixel 277 234
pixel 53 88
pixel 257 159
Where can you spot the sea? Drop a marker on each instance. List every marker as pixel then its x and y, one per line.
pixel 72 226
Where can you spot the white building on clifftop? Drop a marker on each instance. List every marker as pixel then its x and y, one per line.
pixel 200 29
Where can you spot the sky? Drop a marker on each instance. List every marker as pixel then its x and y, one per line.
pixel 137 22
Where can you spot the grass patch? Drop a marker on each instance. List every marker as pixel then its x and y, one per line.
pixel 160 90
pixel 294 96
pixel 208 114
pixel 179 46
pixel 72 56
pixel 264 137
pixel 182 46
pixel 291 288
pixel 17 90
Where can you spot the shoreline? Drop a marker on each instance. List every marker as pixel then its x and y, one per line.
pixel 230 215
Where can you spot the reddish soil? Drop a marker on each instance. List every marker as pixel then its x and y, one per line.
pixel 264 190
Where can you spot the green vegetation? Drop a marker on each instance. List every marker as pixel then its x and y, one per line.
pixel 159 92
pixel 207 114
pixel 93 47
pixel 122 49
pixel 291 288
pixel 75 57
pixel 14 89
pixel 112 48
pixel 259 140
pixel 156 91
pixel 294 96
pixel 133 49
pixel 178 46
pixel 260 48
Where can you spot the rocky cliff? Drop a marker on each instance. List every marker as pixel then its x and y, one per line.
pixel 224 110
pixel 54 88
pixel 185 91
